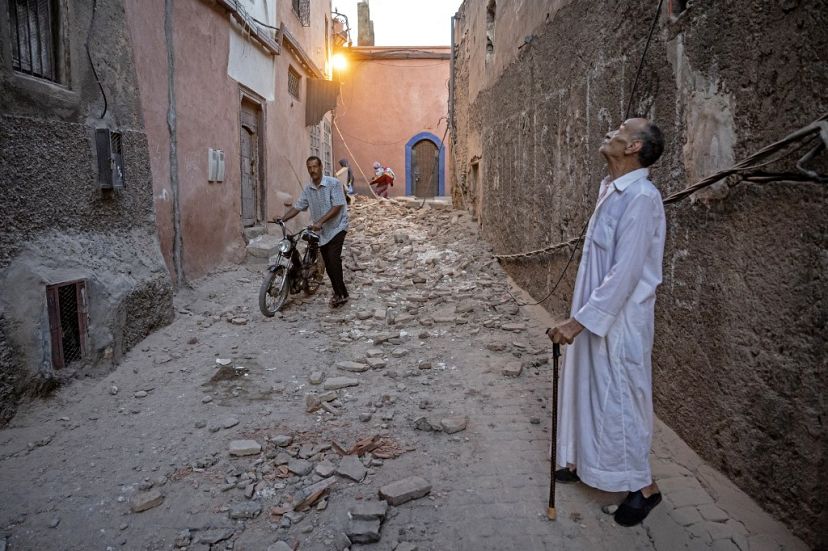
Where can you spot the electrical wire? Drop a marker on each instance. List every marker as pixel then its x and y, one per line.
pixel 643 56
pixel 89 56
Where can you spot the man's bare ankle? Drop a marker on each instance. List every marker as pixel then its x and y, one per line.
pixel 648 491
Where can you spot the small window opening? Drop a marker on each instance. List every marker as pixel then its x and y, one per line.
pixel 67 321
pixel 294 80
pixel 34 37
pixel 491 10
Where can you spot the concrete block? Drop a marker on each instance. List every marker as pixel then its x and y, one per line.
pixel 335 383
pixel 405 490
pixel 241 448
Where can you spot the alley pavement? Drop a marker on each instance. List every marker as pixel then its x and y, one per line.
pixel 416 417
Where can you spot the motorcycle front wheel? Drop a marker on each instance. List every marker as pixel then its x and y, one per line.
pixel 274 291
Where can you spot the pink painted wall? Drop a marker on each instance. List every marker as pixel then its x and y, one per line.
pixel 208 116
pixel 383 104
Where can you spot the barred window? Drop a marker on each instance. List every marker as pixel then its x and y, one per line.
pixel 302 10
pixel 294 82
pixel 34 37
pixel 314 141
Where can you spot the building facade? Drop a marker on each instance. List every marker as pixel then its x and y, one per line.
pixel 81 271
pixel 739 358
pixel 393 109
pixel 235 95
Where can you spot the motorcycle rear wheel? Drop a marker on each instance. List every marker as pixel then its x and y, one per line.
pixel 274 291
pixel 314 279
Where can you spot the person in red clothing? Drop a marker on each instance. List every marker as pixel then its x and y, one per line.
pixel 383 179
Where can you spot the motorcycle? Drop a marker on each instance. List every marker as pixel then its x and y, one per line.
pixel 288 272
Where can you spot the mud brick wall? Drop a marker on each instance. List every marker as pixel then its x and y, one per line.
pixel 739 359
pixel 58 225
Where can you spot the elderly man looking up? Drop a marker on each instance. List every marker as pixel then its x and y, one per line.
pixel 606 408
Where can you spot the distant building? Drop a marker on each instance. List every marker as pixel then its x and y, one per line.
pixel 81 271
pixel 393 109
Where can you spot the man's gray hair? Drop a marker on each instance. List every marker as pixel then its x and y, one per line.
pixel 652 144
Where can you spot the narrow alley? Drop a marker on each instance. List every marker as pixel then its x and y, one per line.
pixel 230 430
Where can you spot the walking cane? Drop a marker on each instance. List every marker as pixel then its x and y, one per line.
pixel 556 353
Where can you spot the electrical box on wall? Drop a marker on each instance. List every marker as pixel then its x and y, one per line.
pixel 215 165
pixel 110 159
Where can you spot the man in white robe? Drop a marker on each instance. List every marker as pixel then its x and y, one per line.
pixel 606 408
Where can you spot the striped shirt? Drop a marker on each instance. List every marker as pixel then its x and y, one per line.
pixel 320 200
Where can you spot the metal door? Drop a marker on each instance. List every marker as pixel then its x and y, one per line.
pixel 249 164
pixel 424 165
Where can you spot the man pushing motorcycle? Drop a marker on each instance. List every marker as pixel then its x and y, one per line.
pixel 324 197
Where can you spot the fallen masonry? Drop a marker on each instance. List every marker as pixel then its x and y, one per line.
pixel 405 490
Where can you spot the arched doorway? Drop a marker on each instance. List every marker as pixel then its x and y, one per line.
pixel 424 166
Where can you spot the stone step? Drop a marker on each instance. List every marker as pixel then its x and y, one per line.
pixel 253 232
pixel 263 246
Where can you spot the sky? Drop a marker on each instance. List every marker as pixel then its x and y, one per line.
pixel 404 23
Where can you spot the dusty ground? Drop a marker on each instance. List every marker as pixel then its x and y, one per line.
pixel 428 301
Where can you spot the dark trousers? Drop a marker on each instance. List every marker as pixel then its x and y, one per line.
pixel 332 255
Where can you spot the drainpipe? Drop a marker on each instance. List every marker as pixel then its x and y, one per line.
pixel 180 279
pixel 451 80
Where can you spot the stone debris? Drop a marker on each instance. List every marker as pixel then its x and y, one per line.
pixel 375 363
pixel 279 546
pixel 240 448
pixel 407 489
pixel 406 546
pixel 512 369
pixel 316 377
pixel 451 425
pixel 335 383
pixel 141 394
pixel 325 469
pixel 229 422
pixel 183 538
pixel 245 510
pixel 309 495
pixel 312 403
pixel 363 531
pixel 368 510
pixel 214 535
pixel 300 467
pixel 428 423
pixel 283 440
pixel 354 367
pixel 145 501
pixel 350 467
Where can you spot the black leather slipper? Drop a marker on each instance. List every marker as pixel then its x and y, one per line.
pixel 635 508
pixel 566 476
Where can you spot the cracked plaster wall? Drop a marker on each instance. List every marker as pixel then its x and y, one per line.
pixel 739 358
pixel 58 225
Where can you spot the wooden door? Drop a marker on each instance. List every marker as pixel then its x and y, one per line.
pixel 250 169
pixel 424 167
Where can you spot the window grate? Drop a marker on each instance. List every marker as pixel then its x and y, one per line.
pixel 302 10
pixel 33 37
pixel 294 81
pixel 70 328
pixel 67 321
